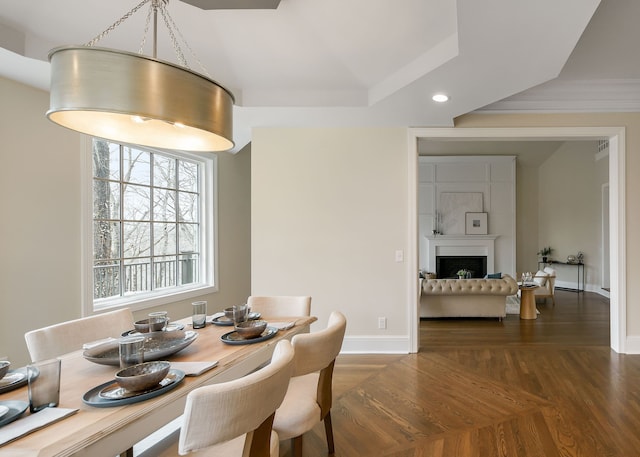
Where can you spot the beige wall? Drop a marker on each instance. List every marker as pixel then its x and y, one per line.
pixel 40 230
pixel 329 210
pixel 40 211
pixel 526 217
pixel 570 210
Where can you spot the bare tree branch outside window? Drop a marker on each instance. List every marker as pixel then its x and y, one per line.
pixel 146 220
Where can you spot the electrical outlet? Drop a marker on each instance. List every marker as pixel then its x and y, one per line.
pixel 382 322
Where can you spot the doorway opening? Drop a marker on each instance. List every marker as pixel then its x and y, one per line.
pixel 616 208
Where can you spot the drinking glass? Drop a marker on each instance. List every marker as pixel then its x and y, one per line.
pixel 239 313
pixel 199 316
pixel 161 315
pixel 131 351
pixel 44 384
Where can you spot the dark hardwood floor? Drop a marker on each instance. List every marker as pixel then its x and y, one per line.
pixel 484 388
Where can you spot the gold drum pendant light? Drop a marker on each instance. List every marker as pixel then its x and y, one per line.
pixel 132 98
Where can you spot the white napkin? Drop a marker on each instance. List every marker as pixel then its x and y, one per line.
pixel 33 422
pixel 216 315
pixel 194 368
pixel 282 325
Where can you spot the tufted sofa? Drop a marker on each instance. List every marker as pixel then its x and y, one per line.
pixel 466 297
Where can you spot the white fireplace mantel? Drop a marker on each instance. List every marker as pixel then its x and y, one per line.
pixel 461 245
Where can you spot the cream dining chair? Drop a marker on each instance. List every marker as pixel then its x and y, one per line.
pixel 234 418
pixel 58 339
pixel 309 396
pixel 280 305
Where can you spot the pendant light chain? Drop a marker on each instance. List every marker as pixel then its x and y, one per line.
pixel 176 45
pixel 171 26
pixel 146 30
pixel 117 23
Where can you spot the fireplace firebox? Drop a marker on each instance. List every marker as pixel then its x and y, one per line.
pixel 448 266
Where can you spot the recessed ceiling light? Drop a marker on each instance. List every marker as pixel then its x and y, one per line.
pixel 440 98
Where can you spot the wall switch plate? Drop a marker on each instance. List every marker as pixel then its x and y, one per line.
pixel 399 255
pixel 382 322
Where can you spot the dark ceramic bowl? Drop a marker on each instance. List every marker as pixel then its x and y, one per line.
pixel 142 376
pixel 4 368
pixel 251 329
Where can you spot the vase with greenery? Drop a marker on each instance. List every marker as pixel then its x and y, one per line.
pixel 462 274
pixel 545 253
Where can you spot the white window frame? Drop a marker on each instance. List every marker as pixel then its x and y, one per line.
pixel 209 227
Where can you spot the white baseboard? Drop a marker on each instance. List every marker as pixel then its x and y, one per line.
pixel 633 345
pixel 601 291
pixel 571 286
pixel 398 344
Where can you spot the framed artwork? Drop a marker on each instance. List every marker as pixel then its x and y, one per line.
pixel 476 223
pixel 453 206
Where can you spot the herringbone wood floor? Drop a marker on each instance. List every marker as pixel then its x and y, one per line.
pixel 483 388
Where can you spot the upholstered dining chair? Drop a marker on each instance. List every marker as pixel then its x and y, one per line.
pixel 54 340
pixel 234 418
pixel 281 305
pixel 309 396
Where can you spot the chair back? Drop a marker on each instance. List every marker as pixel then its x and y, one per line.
pixel 316 350
pixel 280 305
pixel 551 278
pixel 221 412
pixel 58 339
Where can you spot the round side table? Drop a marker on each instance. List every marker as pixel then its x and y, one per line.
pixel 528 301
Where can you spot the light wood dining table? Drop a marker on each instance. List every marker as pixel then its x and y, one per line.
pixel 97 432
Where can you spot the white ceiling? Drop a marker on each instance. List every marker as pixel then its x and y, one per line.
pixel 361 62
